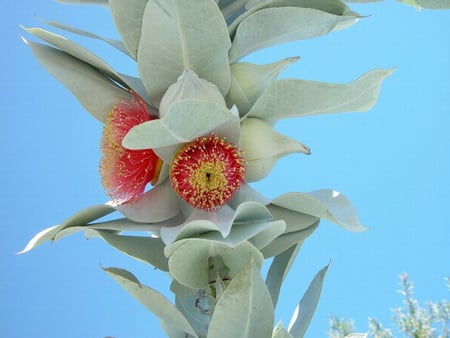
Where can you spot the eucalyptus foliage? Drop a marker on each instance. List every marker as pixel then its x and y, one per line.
pixel 191 78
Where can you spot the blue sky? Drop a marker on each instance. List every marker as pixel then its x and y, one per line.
pixel 393 163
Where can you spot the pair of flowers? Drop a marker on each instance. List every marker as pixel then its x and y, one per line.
pixel 204 173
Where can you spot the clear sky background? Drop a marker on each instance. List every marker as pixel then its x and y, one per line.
pixel 393 163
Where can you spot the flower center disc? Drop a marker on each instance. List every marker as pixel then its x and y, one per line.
pixel 207 172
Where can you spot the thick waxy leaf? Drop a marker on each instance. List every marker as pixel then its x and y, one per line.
pixel 114 43
pixel 95 91
pixel 128 19
pixel 177 35
pixel 278 270
pixel 307 306
pixel 335 7
pixel 189 259
pixel 295 221
pixel 190 86
pixel 280 332
pixel 198 222
pixel 76 51
pixel 171 319
pixel 248 220
pixel 195 307
pixel 249 81
pixel 287 240
pixel 271 26
pixel 158 204
pixel 247 193
pixel 326 204
pixel 185 121
pixel 296 98
pixel 145 249
pixel 245 308
pixel 429 4
pixel 262 146
pixel 80 218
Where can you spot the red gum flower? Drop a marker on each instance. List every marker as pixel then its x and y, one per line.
pixel 125 173
pixel 207 172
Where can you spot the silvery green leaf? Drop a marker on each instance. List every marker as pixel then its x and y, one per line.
pixel 280 266
pixel 190 86
pixel 191 307
pixel 177 126
pixel 189 259
pixel 429 4
pixel 327 204
pixel 156 205
pixel 357 335
pixel 258 233
pixel 295 98
pixel 307 306
pixel 287 240
pixel 127 225
pixel 245 308
pixel 247 193
pixel 146 249
pixel 280 332
pixel 268 234
pixel 171 319
pixel 80 218
pixel 249 218
pixel 272 26
pixel 249 81
pixel 95 91
pixel 295 221
pixel 335 7
pixel 114 43
pixel 176 35
pixel 76 51
pixel 231 9
pixel 262 146
pixel 200 221
pixel 128 19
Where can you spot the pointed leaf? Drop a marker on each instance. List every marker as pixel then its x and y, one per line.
pixel 287 240
pixel 307 306
pixel 80 218
pixel 75 50
pixel 128 19
pixel 94 91
pixel 262 146
pixel 113 43
pixel 270 26
pixel 327 204
pixel 176 35
pixel 189 259
pixel 278 270
pixel 249 81
pixel 295 221
pixel 357 335
pixel 177 127
pixel 173 322
pixel 245 308
pixel 149 250
pixel 190 86
pixel 335 7
pixel 156 205
pixel 296 98
pixel 191 307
